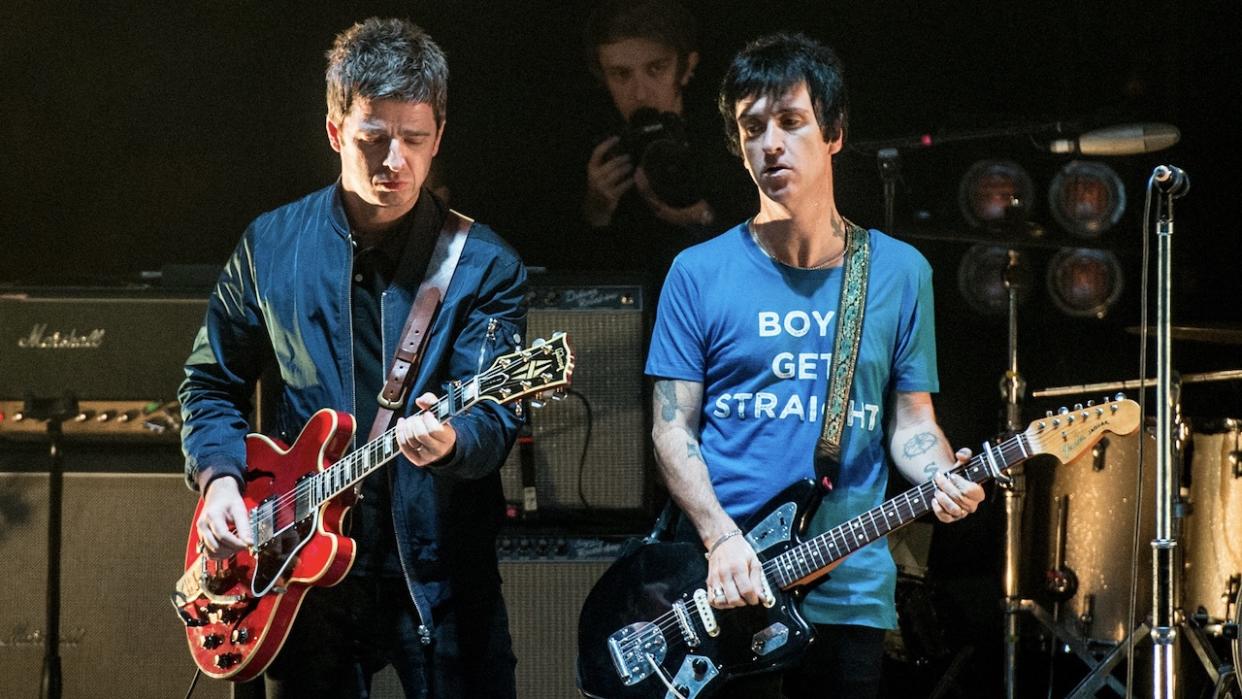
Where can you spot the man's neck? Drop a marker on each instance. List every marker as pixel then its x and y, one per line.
pixel 369 222
pixel 808 235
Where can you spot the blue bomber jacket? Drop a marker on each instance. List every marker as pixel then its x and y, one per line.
pixel 283 300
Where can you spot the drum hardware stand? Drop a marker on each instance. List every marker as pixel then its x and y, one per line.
pixel 53 411
pixel 1012 387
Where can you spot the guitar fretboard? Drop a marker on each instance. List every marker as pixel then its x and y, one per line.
pixel 270 517
pixel 813 555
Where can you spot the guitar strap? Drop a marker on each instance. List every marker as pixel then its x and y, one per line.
pixel 845 348
pixel 414 336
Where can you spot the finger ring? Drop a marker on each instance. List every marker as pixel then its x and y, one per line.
pixel 718 592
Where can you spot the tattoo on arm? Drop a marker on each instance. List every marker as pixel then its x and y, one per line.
pixel 666 393
pixel 930 470
pixel 920 443
pixel 692 450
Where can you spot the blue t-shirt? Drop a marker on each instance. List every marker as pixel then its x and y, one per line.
pixel 759 336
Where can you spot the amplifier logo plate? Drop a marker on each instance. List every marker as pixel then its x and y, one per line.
pixel 40 339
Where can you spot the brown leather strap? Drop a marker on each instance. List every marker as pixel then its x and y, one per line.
pixel 414 336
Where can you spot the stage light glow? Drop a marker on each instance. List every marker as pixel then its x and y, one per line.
pixel 1087 198
pixel 996 194
pixel 981 279
pixel 1084 283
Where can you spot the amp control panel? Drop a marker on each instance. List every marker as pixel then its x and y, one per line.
pixel 99 420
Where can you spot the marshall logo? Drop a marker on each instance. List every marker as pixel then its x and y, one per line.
pixel 40 339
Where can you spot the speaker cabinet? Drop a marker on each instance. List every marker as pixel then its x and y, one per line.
pixel 546 580
pixel 123 544
pixel 606 324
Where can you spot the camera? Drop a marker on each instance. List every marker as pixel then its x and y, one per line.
pixel 656 142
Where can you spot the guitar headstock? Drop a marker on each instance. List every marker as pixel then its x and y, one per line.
pixel 1068 433
pixel 547 365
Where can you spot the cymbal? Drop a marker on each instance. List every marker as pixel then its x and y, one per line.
pixel 1219 334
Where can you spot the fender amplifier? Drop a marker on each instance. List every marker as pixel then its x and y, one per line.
pixel 586 455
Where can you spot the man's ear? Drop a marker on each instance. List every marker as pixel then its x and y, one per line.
pixel 692 62
pixel 837 140
pixel 334 134
pixel 435 149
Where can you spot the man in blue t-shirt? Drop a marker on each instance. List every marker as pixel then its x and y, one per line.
pixel 742 358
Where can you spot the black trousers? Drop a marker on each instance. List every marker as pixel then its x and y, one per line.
pixel 345 634
pixel 844 661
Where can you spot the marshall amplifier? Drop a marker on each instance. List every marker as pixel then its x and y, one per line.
pixel 119 351
pixel 586 455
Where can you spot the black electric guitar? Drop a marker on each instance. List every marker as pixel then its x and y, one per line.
pixel 647 630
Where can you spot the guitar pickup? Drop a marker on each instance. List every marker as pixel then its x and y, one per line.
pixel 707 616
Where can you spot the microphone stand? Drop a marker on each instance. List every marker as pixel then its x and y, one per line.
pixel 1164 546
pixel 54 411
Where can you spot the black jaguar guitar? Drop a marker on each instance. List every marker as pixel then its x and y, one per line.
pixel 647 630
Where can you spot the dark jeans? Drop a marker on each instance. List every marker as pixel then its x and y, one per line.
pixel 345 634
pixel 844 661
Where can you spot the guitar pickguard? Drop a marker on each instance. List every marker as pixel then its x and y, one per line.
pixel 776 528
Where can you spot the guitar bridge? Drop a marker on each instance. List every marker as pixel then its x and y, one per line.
pixel 635 649
pixel 687 629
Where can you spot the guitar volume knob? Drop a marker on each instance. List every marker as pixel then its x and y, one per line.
pixel 241 635
pixel 211 640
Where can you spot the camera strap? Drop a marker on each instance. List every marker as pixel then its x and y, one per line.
pixel 845 348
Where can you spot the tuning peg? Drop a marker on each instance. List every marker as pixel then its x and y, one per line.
pixel 558 394
pixel 1063 410
pixel 1077 407
pixel 1048 413
pixel 545 377
pixel 536 403
pixel 1119 396
pixel 538 342
pixel 1090 403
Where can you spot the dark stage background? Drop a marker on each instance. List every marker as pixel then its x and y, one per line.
pixel 145 134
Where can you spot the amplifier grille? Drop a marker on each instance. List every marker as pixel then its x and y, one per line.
pixel 608 396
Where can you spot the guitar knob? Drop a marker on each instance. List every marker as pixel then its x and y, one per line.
pixel 699 666
pixel 227 660
pixel 211 640
pixel 241 635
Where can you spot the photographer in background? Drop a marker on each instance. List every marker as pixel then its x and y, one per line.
pixel 657 182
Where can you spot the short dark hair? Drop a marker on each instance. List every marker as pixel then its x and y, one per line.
pixel 386 58
pixel 774 64
pixel 665 22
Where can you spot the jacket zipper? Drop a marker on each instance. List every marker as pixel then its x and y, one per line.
pixel 424 631
pixel 490 338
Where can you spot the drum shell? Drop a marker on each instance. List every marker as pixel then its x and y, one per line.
pixel 1099 533
pixel 1213 539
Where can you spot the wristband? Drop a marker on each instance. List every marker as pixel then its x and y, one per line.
pixel 723 538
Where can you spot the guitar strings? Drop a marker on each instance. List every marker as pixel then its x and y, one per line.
pixel 668 623
pixel 304 487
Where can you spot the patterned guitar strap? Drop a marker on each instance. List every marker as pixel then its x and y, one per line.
pixel 845 348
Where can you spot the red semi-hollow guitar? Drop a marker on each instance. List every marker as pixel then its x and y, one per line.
pixel 238 611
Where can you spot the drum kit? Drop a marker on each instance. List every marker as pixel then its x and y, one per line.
pixel 1094 518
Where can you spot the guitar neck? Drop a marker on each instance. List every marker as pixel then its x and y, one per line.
pixel 361 462
pixel 809 559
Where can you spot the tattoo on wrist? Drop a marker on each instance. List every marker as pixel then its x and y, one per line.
pixel 920 443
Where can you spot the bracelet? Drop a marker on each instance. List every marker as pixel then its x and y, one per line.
pixel 723 538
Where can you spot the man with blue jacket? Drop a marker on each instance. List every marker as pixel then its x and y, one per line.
pixel 321 288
